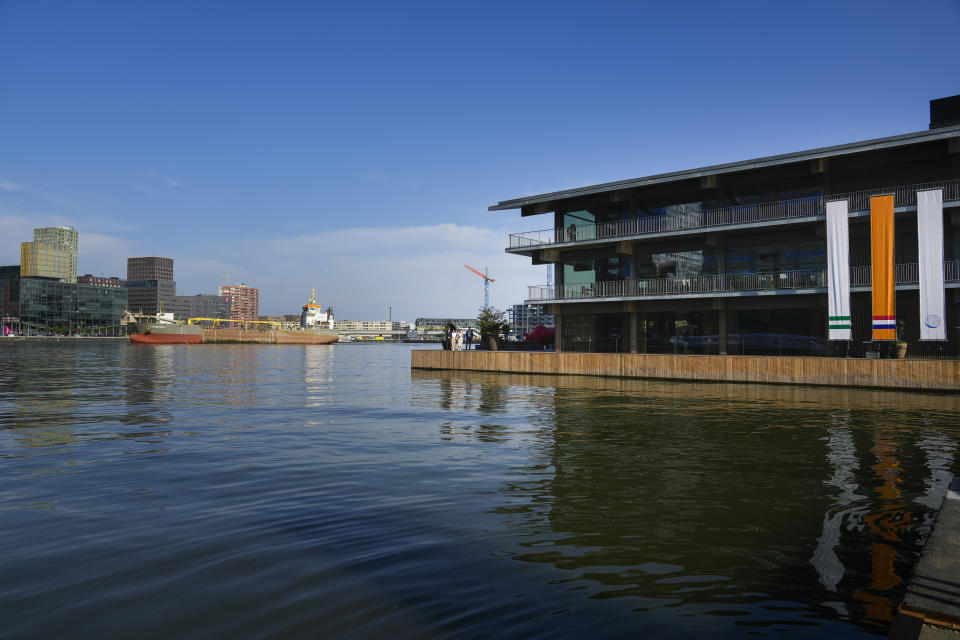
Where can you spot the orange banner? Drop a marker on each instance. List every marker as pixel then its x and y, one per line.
pixel 881 253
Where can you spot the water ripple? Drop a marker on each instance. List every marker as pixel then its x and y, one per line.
pixel 249 491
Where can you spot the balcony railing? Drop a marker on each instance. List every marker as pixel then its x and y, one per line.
pixel 903 196
pixel 688 217
pixel 730 282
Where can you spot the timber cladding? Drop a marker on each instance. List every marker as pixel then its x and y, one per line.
pixel 919 375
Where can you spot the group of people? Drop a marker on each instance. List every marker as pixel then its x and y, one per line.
pixel 457 339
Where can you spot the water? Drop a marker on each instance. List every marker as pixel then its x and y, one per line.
pixel 249 491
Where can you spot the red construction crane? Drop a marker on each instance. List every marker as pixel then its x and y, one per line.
pixel 486 283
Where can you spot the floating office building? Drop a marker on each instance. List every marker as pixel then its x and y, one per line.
pixel 805 253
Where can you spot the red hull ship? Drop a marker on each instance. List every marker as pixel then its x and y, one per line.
pixel 166 338
pixel 166 331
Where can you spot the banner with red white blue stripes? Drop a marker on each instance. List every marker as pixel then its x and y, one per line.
pixel 881 254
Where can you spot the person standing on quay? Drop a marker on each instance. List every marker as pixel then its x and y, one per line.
pixel 469 338
pixel 448 338
pixel 459 340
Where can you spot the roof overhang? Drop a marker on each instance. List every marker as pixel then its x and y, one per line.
pixel 533 205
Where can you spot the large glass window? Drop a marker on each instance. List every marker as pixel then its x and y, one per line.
pixel 680 332
pixel 584 272
pixel 799 256
pixel 578 225
pixel 595 333
pixel 678 264
pixel 777 332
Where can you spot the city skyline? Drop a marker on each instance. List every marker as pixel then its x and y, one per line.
pixel 356 149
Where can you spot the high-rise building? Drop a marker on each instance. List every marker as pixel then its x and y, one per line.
pixel 150 268
pixel 45 260
pixel 150 284
pixel 64 239
pixel 245 301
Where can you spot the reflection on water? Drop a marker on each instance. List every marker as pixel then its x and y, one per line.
pixel 308 491
pixel 718 500
pixel 848 506
pixel 318 374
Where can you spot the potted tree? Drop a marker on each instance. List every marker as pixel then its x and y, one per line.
pixel 493 327
pixel 901 346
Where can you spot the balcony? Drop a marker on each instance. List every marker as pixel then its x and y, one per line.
pixel 772 282
pixel 680 219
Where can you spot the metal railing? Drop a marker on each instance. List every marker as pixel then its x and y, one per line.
pixel 903 196
pixel 729 282
pixel 908 273
pixel 683 217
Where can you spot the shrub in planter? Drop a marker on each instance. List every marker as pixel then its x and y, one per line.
pixel 493 326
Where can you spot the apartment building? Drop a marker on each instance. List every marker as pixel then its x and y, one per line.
pixel 244 301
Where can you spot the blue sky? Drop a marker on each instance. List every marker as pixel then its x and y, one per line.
pixel 355 147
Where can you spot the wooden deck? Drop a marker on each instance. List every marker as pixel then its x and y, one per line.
pixel 916 375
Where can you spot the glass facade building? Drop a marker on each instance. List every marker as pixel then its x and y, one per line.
pixel 41 306
pixel 201 305
pixel 732 259
pixel 150 296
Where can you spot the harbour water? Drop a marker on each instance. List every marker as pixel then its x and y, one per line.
pixel 249 491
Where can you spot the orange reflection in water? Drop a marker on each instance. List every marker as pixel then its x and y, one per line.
pixel 888 522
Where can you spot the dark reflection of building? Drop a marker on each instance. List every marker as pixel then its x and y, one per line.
pixel 874 477
pixel 484 402
pixel 146 380
pixel 729 500
pixel 41 385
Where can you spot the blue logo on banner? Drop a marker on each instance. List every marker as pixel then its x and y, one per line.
pixel 932 321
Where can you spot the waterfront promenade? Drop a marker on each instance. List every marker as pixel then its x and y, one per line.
pixel 917 375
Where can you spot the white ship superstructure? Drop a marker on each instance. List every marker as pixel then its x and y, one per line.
pixel 314 316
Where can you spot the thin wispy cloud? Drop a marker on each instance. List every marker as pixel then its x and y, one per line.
pixel 418 270
pixel 103 254
pixel 170 182
pixel 7 185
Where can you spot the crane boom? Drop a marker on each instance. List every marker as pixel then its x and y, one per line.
pixel 486 284
pixel 480 273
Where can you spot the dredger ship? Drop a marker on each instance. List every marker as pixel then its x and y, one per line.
pixel 316 327
pixel 165 330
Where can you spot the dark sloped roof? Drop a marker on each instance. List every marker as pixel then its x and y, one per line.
pixel 743 165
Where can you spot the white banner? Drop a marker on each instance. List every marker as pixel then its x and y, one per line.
pixel 933 317
pixel 838 271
